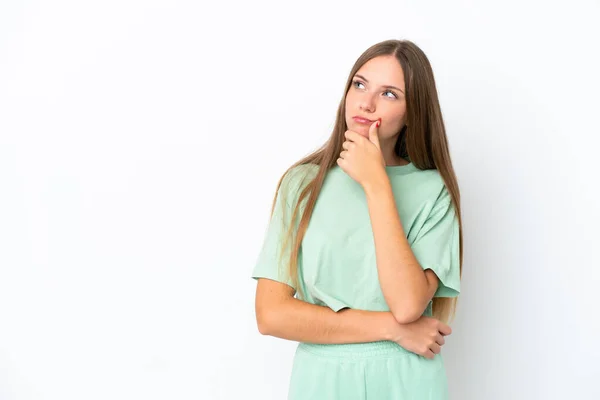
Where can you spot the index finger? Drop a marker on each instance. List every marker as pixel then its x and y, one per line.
pixel 353 136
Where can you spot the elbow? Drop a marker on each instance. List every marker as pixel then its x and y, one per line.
pixel 267 320
pixel 263 322
pixel 407 313
pixel 270 305
pixel 404 317
pixel 410 308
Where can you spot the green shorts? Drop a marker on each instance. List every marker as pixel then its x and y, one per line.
pixel 365 371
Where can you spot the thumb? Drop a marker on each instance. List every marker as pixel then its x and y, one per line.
pixel 374 133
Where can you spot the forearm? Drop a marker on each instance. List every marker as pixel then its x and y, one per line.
pixel 402 280
pixel 300 321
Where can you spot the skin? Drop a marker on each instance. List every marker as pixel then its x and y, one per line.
pixel 407 288
pixel 367 150
pixel 280 314
pixel 372 101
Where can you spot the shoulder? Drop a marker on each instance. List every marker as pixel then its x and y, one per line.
pixel 308 169
pixel 428 193
pixel 432 176
pixel 298 176
pixel 431 184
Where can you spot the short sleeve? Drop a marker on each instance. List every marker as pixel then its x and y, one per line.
pixel 437 246
pixel 272 262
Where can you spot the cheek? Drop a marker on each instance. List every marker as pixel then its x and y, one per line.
pixel 396 120
pixel 396 117
pixel 349 100
pixel 349 107
pixel 393 123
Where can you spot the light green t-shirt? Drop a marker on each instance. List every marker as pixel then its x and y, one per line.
pixel 336 263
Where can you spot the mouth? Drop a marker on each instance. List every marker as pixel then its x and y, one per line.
pixel 362 120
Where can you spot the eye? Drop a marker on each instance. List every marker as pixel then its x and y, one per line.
pixel 356 82
pixel 394 94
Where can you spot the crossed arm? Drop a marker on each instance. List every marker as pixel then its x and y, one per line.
pixel 406 287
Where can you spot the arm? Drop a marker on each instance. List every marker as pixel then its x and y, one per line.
pixel 281 315
pixel 406 287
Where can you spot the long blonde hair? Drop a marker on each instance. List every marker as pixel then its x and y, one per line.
pixel 426 147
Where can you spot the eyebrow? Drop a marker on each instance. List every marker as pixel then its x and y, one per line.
pixel 386 86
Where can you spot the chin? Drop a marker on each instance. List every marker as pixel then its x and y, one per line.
pixel 362 131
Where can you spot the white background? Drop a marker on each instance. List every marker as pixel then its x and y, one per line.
pixel 140 146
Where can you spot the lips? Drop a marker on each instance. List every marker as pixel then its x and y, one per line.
pixel 362 120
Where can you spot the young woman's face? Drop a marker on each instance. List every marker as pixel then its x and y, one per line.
pixel 370 96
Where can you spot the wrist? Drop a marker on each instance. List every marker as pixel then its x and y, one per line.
pixel 377 184
pixel 391 329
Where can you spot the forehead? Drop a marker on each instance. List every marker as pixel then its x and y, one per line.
pixel 383 70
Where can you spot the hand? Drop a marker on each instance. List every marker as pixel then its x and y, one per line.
pixel 362 158
pixel 424 336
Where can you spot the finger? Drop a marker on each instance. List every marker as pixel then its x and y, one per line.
pixel 444 329
pixel 347 144
pixel 374 133
pixel 440 340
pixel 353 136
pixel 435 348
pixel 343 154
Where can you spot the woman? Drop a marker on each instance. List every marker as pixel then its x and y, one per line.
pixel 362 259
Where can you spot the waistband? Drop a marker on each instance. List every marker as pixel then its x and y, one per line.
pixel 355 350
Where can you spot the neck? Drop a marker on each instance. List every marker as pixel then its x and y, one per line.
pixel 390 156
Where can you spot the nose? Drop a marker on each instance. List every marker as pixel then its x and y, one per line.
pixel 367 104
